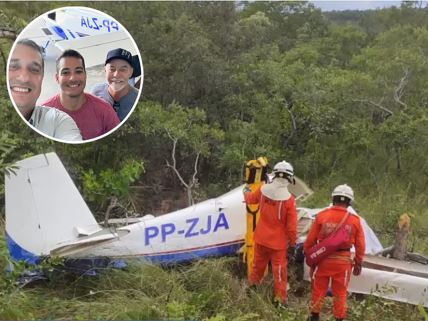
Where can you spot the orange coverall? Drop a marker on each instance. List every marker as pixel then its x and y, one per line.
pixel 337 267
pixel 275 230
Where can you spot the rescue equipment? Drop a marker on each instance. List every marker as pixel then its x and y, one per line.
pixel 332 243
pixel 255 173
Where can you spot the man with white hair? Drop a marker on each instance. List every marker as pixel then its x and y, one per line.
pixel 117 91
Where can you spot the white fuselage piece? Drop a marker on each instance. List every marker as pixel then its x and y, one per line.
pixel 47 215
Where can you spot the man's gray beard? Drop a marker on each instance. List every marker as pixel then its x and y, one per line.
pixel 124 86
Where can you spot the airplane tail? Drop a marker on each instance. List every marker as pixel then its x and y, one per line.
pixel 43 208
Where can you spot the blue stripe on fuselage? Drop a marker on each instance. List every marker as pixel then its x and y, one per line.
pixel 192 255
pixel 19 254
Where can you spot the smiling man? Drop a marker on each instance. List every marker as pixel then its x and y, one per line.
pixel 93 116
pixel 117 91
pixel 26 70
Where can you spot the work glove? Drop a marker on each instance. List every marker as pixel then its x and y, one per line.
pixel 357 269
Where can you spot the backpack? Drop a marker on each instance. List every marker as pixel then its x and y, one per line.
pixel 330 244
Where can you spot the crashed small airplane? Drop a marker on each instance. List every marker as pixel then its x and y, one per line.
pixel 47 216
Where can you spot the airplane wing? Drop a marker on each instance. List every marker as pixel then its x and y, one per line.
pixel 84 243
pixel 300 190
pixel 95 48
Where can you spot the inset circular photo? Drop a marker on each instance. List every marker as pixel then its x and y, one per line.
pixel 75 74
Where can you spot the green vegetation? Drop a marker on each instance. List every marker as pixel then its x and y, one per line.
pixel 342 96
pixel 212 289
pixel 206 290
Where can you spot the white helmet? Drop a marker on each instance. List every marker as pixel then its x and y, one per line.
pixel 343 190
pixel 283 167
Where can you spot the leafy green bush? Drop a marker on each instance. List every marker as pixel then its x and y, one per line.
pixel 99 187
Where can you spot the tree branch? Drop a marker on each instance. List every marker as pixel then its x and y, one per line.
pixel 192 182
pixel 6 33
pixel 174 162
pixel 399 90
pixel 293 123
pixel 372 103
pixel 113 203
pixel 196 169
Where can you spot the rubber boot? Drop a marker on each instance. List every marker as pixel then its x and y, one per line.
pixel 314 317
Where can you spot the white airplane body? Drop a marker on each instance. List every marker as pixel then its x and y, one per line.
pixel 76 22
pixel 58 222
pixel 90 32
pixel 209 228
pixel 47 216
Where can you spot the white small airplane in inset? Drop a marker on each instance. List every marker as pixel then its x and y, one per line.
pixel 47 216
pixel 74 22
pixel 90 32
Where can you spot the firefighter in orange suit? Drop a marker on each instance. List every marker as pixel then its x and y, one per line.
pixel 337 267
pixel 275 230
